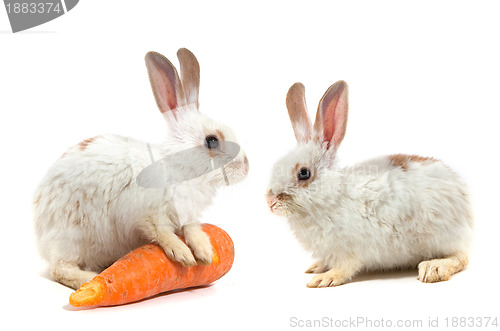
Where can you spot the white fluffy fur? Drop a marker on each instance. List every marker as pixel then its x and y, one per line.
pixel 374 215
pixel 89 210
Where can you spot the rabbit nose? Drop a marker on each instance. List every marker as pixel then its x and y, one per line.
pixel 271 199
pixel 246 166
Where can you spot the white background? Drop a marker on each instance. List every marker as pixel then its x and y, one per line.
pixel 423 77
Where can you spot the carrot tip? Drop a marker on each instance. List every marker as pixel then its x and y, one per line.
pixel 89 294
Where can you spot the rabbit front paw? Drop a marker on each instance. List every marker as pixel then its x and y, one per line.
pixel 326 279
pixel 316 268
pixel 334 277
pixel 203 252
pixel 199 243
pixel 178 251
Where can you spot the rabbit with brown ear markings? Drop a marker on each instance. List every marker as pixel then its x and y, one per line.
pixel 393 211
pixel 110 194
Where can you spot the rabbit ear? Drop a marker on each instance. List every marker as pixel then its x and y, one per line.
pixel 190 73
pixel 331 118
pixel 165 82
pixel 297 110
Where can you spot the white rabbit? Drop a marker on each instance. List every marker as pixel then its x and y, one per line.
pixel 394 211
pixel 90 210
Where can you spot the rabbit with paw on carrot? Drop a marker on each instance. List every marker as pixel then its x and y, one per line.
pixel 90 210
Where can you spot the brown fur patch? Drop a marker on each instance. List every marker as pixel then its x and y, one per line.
pixel 84 144
pixel 283 197
pixel 403 160
pixel 81 146
pixel 221 135
pixel 279 197
pixel 304 183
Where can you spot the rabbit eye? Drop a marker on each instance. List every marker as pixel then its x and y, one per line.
pixel 304 174
pixel 212 142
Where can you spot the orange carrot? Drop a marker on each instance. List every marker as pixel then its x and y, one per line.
pixel 147 271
